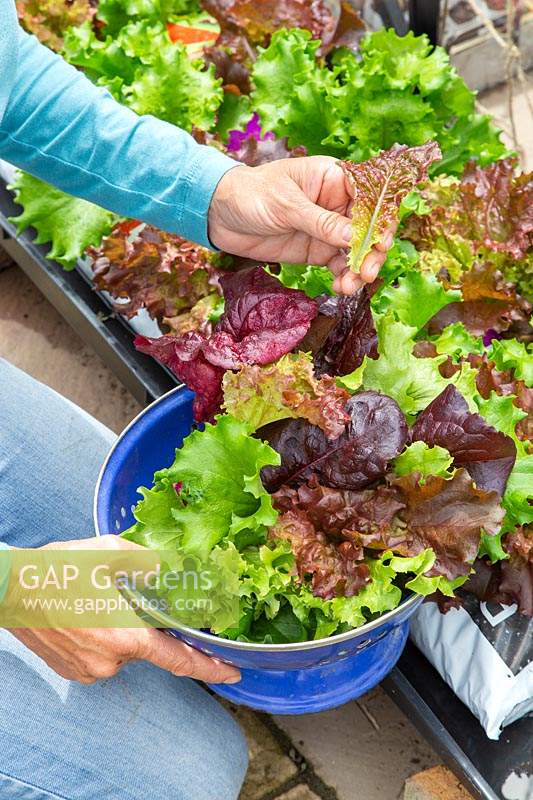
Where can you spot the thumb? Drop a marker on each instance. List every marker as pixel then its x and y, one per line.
pixel 179 658
pixel 319 223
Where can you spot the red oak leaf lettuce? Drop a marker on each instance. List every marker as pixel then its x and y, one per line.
pixel 448 516
pixel 487 454
pixel 376 433
pixel 379 186
pixel 489 303
pixel 335 570
pixel 364 518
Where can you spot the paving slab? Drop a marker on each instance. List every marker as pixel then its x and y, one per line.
pixel 364 750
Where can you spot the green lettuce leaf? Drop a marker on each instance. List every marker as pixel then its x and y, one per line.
pixel 401 258
pixel 312 280
pixel 304 114
pixel 457 342
pixel 169 84
pixel 70 224
pixel 518 497
pixel 420 457
pixel 422 583
pixel 501 412
pixel 115 14
pixel 412 382
pixel 379 185
pixel 515 355
pixel 218 491
pixel 146 71
pixel 416 299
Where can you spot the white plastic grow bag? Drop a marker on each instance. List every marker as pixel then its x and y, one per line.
pixel 484 653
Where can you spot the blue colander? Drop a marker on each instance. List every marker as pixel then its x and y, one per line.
pixel 294 678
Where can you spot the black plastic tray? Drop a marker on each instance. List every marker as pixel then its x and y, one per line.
pixel 482 765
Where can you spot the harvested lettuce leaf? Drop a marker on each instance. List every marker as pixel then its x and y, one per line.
pixel 258 395
pixel 217 488
pixel 420 457
pixel 379 186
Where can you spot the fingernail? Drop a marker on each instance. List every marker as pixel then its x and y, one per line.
pixel 234 679
pixel 387 240
pixel 347 234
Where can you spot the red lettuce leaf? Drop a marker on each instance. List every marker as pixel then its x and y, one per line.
pixel 509 581
pixel 489 379
pixel 489 303
pixel 487 454
pixel 364 518
pixel 448 516
pixel 376 433
pixel 342 334
pixel 490 210
pixel 259 395
pixel 258 21
pixel 335 570
pixel 262 321
pixel 184 356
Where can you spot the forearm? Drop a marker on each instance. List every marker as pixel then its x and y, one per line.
pixel 68 132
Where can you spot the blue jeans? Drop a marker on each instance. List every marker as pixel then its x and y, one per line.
pixel 142 735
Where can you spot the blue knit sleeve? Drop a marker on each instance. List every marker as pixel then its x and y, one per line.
pixel 74 135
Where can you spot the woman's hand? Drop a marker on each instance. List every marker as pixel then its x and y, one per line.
pixel 88 654
pixel 296 210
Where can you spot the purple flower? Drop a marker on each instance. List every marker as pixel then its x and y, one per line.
pixel 489 335
pixel 252 130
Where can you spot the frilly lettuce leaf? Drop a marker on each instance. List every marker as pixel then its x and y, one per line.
pixel 416 298
pixel 312 280
pixel 518 356
pixel 379 186
pixel 457 342
pixel 258 395
pixel 48 19
pixel 218 491
pixel 115 14
pixel 412 382
pixel 70 224
pixel 146 71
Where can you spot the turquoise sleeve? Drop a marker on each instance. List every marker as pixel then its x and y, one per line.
pixel 74 135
